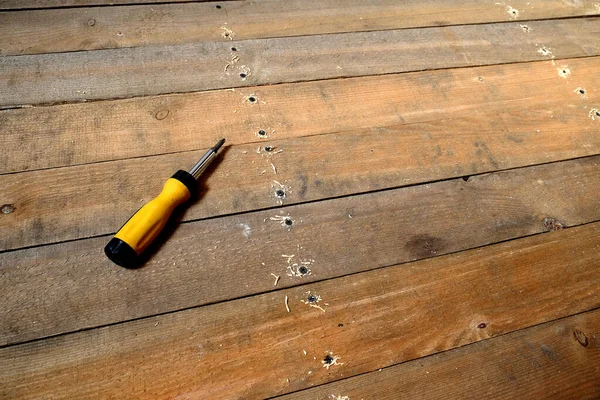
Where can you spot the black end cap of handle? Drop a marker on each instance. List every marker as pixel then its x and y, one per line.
pixel 121 253
pixel 188 180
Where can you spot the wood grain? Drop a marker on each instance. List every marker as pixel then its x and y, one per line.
pixel 118 73
pixel 71 134
pixel 253 348
pixel 65 287
pixel 49 31
pixel 29 4
pixel 556 360
pixel 53 205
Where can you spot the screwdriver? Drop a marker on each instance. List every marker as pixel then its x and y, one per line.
pixel 126 247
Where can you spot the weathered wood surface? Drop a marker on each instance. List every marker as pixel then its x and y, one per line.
pixel 253 348
pixel 60 204
pixel 65 287
pixel 103 74
pixel 33 4
pixel 70 134
pixel 49 31
pixel 557 360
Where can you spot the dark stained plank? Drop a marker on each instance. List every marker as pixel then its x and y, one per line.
pixel 556 360
pixel 29 4
pixel 117 73
pixel 65 287
pixel 70 134
pixel 253 348
pixel 49 31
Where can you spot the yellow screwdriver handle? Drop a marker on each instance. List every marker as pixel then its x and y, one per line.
pixel 126 247
pixel 146 224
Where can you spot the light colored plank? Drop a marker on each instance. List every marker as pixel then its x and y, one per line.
pixel 70 134
pixel 49 31
pixel 29 4
pixel 65 287
pixel 253 348
pixel 520 115
pixel 118 73
pixel 556 360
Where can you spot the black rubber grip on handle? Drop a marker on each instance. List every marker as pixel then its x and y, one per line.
pixel 121 253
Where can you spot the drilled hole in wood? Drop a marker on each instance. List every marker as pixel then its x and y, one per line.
pixel 243 75
pixel 303 270
pixel 269 148
pixel 251 99
pixel 234 49
pixel 312 298
pixel 581 91
pixel 218 6
pixel 289 222
pixel 280 193
pixel 7 208
pixel 328 360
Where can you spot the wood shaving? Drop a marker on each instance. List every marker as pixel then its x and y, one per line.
pixel 287 306
pixel 276 278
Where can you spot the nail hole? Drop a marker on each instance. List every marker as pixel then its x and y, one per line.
pixel 218 6
pixel 328 360
pixel 7 208
pixel 289 222
pixel 482 325
pixel 280 193
pixel 234 49
pixel 243 75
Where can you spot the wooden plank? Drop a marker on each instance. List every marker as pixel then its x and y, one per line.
pixel 49 31
pixel 117 73
pixel 558 360
pixel 46 137
pixel 50 206
pixel 385 141
pixel 65 287
pixel 35 4
pixel 253 348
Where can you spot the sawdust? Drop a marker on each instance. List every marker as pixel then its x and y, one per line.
pixel 276 279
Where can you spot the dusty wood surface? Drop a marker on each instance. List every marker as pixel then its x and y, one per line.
pixel 94 199
pixel 49 31
pixel 559 359
pixel 478 125
pixel 363 232
pixel 254 348
pixel 34 4
pixel 116 73
pixel 56 136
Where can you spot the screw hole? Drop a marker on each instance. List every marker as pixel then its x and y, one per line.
pixel 268 149
pixel 7 208
pixel 303 271
pixel 280 193
pixel 234 49
pixel 581 91
pixel 328 359
pixel 312 299
pixel 251 99
pixel 218 6
pixel 289 222
pixel 243 75
pixel 262 132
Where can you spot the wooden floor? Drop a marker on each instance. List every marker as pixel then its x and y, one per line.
pixel 440 168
